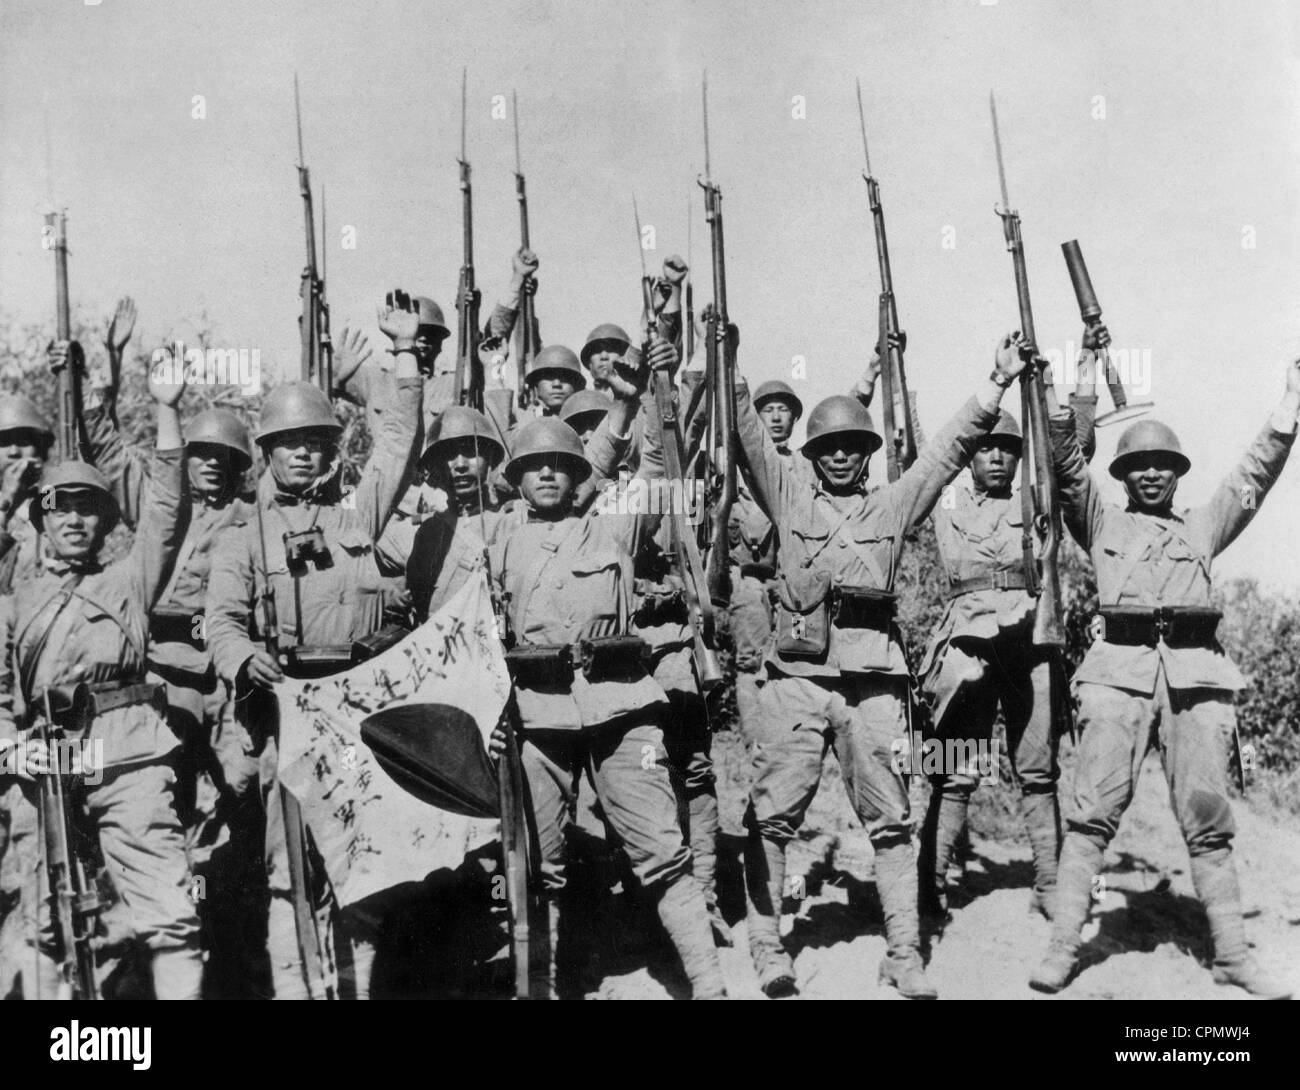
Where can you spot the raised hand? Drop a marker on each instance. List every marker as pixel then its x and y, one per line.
pixel 351 351
pixel 399 318
pixel 167 381
pixel 675 269
pixel 1012 355
pixel 523 263
pixel 120 326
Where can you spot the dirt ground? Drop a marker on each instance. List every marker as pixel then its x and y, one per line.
pixel 1146 938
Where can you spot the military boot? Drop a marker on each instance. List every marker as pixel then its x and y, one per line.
pixel 704 851
pixel 1215 880
pixel 764 891
pixel 682 911
pixel 896 885
pixel 1043 824
pixel 945 820
pixel 1080 863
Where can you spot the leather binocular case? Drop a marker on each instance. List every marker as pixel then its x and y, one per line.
pixel 333 658
pixel 613 658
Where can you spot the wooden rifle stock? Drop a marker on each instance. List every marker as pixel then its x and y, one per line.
pixel 75 900
pixel 721 372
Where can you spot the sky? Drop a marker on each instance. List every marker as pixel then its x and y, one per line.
pixel 1162 135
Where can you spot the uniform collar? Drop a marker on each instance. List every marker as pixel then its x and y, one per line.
pixel 59 568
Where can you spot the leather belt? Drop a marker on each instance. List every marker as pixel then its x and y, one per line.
pixel 1002 579
pixel 1175 626
pixel 77 705
pixel 762 572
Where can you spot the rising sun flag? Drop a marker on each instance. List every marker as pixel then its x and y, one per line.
pixel 388 761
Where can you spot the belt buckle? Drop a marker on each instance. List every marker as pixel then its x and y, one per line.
pixel 1162 625
pixel 1000 579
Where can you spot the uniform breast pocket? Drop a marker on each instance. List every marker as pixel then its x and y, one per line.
pixel 362 569
pixel 808 544
pixel 590 590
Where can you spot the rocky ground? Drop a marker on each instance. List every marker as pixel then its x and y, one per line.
pixel 1146 939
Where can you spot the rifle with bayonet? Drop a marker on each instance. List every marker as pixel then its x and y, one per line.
pixel 468 386
pixel 72 442
pixel 720 374
pixel 317 363
pixel 1090 312
pixel 527 339
pixel 900 440
pixel 682 541
pixel 1038 494
pixel 519 851
pixel 311 948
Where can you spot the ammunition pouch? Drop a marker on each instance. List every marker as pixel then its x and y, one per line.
pixel 613 658
pixel 313 662
pixel 863 607
pixel 169 624
pixel 1175 626
pixel 803 611
pixel 536 667
pixel 378 642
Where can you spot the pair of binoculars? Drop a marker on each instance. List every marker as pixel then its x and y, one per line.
pixel 306 547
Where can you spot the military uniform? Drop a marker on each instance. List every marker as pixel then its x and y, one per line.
pixel 1156 675
pixel 318 606
pixel 850 692
pixel 982 655
pixel 568 580
pixel 83 623
pixel 198 702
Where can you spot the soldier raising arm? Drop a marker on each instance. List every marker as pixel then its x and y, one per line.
pixel 78 624
pixel 836 671
pixel 1156 662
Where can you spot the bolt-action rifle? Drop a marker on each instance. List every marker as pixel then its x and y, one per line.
pixel 469 383
pixel 900 441
pixel 1038 493
pixel 682 541
pixel 317 365
pixel 720 374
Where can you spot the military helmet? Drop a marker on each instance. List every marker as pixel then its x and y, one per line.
pixel 583 403
pixel 295 406
pixel 221 428
pixel 1148 437
pixel 775 390
pixel 18 413
pixel 462 422
pixel 840 414
pixel 556 359
pixel 548 435
pixel 431 314
pixel 73 477
pixel 1007 427
pixel 604 334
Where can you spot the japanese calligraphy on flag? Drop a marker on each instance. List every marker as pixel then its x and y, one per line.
pixel 372 834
